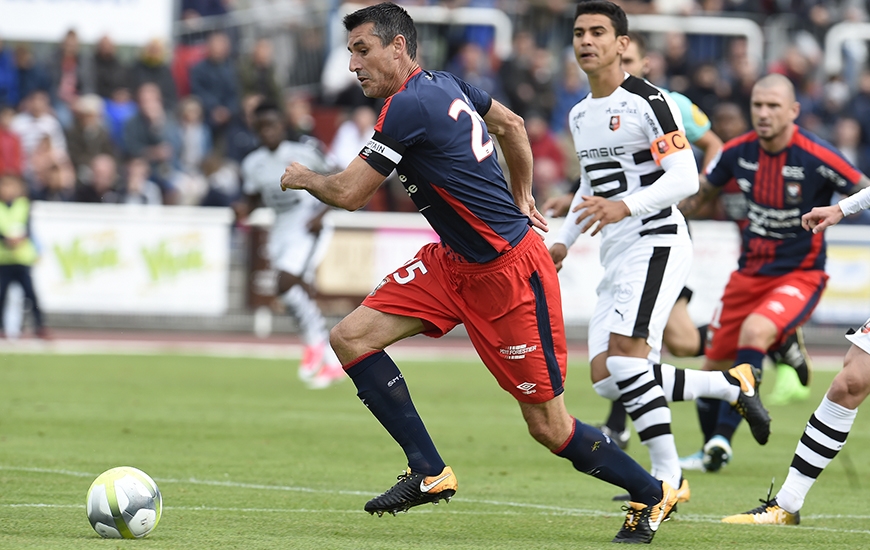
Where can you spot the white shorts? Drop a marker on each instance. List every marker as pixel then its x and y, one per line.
pixel 298 252
pixel 861 337
pixel 637 293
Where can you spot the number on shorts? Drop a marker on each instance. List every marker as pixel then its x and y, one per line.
pixel 411 269
pixel 480 149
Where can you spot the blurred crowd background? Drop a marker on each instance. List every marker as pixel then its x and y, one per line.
pixel 169 123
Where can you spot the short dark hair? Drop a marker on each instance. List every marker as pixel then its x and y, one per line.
pixel 266 107
pixel 390 21
pixel 638 39
pixel 602 7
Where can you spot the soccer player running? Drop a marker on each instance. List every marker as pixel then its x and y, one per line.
pixel 784 171
pixel 298 238
pixel 490 271
pixel 829 426
pixel 636 163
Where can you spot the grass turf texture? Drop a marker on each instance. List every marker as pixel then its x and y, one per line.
pixel 247 458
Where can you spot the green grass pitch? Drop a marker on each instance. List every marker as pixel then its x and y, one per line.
pixel 247 458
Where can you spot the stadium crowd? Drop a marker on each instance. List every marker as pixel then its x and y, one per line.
pixel 171 123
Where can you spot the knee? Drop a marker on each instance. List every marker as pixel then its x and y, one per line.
pixel 286 281
pixel 852 384
pixel 758 331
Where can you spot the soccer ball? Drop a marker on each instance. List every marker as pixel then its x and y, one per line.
pixel 124 503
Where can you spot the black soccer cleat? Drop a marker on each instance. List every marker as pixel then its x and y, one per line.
pixel 793 352
pixel 642 521
pixel 748 402
pixel 414 489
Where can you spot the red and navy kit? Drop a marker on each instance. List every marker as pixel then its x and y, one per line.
pixel 490 272
pixel 779 189
pixel 432 132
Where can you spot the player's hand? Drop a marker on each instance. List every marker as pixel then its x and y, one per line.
pixel 820 217
pixel 557 207
pixel 601 211
pixel 558 252
pixel 294 177
pixel 527 205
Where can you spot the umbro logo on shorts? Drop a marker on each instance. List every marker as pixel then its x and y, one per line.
pixel 527 388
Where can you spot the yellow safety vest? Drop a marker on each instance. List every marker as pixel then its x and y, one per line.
pixel 13 223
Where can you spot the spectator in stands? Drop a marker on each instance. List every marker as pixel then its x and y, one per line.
pixel 88 135
pixel 56 181
pixel 136 187
pixel 352 135
pixel 69 77
pixel 102 183
pixel 298 115
pixel 257 73
pixel 151 66
pixel 705 87
pixel 153 135
pixel 676 55
pixel 214 81
pixel 847 138
pixel 195 135
pixel 728 121
pixel 222 177
pixel 548 177
pixel 515 73
pixel 310 48
pixel 473 65
pixel 11 155
pixel 35 123
pixel 8 77
pixel 109 73
pixel 859 106
pixel 241 137
pixel 119 108
pixel 31 75
pixel 570 89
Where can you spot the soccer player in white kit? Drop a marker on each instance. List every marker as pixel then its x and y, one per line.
pixel 636 164
pixel 298 239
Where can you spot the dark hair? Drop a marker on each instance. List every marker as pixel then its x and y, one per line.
pixel 390 21
pixel 266 107
pixel 639 40
pixel 602 7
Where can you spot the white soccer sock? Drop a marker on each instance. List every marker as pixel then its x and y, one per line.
pixel 307 314
pixel 645 402
pixel 690 384
pixel 607 388
pixel 824 436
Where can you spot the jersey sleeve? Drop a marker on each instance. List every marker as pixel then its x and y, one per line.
pixel 695 120
pixel 399 126
pixel 718 172
pixel 479 98
pixel 835 168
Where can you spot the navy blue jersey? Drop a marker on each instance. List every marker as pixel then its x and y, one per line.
pixel 779 189
pixel 432 132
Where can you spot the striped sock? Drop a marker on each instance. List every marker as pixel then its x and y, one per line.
pixel 824 436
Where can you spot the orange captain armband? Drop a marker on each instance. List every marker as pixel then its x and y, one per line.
pixel 668 144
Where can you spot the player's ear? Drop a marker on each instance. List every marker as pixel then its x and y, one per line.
pixel 400 45
pixel 622 43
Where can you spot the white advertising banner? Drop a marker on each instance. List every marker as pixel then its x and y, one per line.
pixel 128 22
pixel 106 258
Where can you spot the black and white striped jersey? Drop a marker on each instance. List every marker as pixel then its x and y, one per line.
pixel 626 142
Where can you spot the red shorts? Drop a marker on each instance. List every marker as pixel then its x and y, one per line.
pixel 511 308
pixel 787 300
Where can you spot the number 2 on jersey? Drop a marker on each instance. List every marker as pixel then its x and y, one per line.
pixel 481 150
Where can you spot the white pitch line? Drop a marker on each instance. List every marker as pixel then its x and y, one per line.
pixel 540 509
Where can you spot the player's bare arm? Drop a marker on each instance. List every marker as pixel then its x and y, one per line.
pixel 509 129
pixel 710 144
pixel 692 206
pixel 350 189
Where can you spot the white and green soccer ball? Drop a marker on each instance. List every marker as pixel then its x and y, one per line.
pixel 124 503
